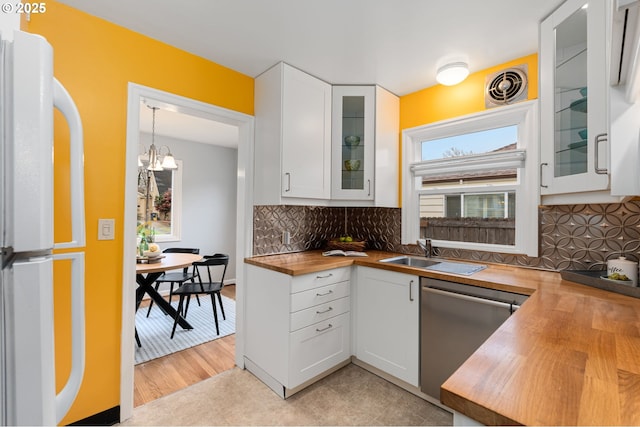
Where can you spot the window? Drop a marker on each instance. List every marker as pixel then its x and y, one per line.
pixel 483 205
pixel 161 191
pixel 471 182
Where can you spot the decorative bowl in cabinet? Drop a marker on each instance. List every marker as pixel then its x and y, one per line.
pixel 351 140
pixel 352 165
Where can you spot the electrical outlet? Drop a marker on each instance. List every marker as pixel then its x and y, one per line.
pixel 286 238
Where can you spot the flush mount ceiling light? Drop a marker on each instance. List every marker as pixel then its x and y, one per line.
pixel 452 74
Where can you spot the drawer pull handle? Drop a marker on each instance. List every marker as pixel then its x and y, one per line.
pixel 325 294
pixel 324 277
pixel 324 311
pixel 324 329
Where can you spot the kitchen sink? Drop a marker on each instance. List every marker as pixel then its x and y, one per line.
pixel 462 268
pixel 411 261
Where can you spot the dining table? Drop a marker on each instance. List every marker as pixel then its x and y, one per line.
pixel 148 270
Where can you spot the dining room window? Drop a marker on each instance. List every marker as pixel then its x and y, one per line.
pixel 470 182
pixel 160 203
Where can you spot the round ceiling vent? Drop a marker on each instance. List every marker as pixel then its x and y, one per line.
pixel 505 87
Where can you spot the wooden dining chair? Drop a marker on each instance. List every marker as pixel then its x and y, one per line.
pixel 178 278
pixel 205 284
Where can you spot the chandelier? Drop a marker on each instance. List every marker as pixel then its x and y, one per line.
pixel 157 163
pixel 154 154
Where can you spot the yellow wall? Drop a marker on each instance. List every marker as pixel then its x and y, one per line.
pixel 95 60
pixel 439 102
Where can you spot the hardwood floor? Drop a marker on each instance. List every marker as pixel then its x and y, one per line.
pixel 165 375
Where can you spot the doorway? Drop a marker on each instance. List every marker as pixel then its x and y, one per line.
pixel 244 214
pixel 167 374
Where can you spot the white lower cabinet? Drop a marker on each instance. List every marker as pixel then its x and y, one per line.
pixel 297 327
pixel 318 347
pixel 386 320
pixel 300 327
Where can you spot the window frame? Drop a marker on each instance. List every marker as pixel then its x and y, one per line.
pixel 464 194
pixel 176 207
pixel 523 114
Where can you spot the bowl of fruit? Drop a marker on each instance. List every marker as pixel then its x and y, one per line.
pixel 618 278
pixel 153 252
pixel 346 243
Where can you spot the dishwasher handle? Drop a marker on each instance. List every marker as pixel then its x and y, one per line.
pixel 512 307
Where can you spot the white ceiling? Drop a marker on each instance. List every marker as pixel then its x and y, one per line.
pixel 187 127
pixel 397 44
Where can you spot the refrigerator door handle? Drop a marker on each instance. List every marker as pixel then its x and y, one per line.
pixel 67 395
pixel 63 102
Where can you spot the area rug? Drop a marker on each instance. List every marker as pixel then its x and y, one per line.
pixel 155 331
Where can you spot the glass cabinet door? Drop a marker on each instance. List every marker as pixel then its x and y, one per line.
pixel 570 103
pixel 573 99
pixel 353 142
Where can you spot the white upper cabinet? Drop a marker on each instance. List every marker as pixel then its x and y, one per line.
pixel 292 137
pixel 365 129
pixel 624 99
pixel 353 142
pixel 312 151
pixel 574 99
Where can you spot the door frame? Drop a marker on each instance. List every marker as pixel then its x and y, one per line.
pixel 244 223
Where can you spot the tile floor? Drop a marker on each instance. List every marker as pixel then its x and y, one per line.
pixel 350 396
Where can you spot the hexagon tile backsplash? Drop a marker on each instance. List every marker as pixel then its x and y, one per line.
pixel 573 237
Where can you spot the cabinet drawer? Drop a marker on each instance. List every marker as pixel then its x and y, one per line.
pixel 309 316
pixel 313 297
pixel 321 278
pixel 317 348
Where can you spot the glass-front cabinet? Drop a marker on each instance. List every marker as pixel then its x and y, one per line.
pixel 353 142
pixel 573 99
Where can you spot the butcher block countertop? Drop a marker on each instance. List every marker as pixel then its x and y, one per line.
pixel 569 356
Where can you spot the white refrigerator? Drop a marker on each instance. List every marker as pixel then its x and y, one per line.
pixel 28 95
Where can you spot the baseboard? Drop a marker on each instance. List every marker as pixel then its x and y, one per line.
pixel 285 392
pixel 291 391
pixel 105 418
pixel 281 390
pixel 263 376
pixel 402 384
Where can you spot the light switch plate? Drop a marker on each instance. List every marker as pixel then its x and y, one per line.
pixel 106 229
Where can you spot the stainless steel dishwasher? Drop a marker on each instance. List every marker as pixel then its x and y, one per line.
pixel 455 319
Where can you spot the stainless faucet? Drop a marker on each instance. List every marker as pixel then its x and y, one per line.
pixel 426 246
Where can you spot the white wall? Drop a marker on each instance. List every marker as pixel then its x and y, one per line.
pixel 209 176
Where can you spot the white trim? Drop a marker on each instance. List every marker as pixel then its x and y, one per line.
pixel 244 223
pixel 525 115
pixel 9 22
pixel 476 162
pixel 469 188
pixel 176 207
